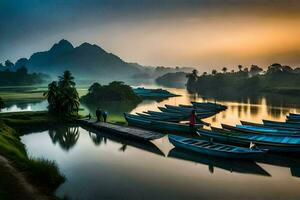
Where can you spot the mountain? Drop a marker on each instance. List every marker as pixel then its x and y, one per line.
pixel 86 61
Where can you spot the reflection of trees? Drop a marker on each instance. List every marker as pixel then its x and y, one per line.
pixel 97 139
pixel 113 108
pixel 66 137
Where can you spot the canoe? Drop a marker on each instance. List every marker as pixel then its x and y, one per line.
pixel 162 126
pixel 164 114
pixel 187 112
pixel 214 149
pixel 272 143
pixel 134 120
pixel 267 126
pixel 168 110
pixel 161 118
pixel 174 127
pixel 194 108
pixel 209 105
pixel 281 124
pixel 260 130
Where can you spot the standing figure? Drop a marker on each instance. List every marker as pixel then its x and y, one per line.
pixel 98 114
pixel 192 122
pixel 105 115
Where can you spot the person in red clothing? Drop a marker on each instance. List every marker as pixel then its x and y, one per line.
pixel 192 121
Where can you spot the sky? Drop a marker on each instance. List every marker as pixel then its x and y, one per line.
pixel 206 34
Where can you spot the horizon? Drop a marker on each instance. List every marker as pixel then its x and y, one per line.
pixel 202 34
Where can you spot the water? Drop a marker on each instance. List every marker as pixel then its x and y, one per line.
pixel 104 167
pixel 99 166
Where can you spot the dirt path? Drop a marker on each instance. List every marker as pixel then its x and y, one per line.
pixel 13 184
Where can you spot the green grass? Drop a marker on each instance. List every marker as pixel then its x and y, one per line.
pixel 42 173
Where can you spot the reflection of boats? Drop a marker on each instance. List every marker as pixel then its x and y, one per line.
pixel 244 166
pixel 289 161
pixel 143 145
pixel 214 149
pixel 272 143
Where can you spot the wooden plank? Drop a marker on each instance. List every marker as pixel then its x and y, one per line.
pixel 132 132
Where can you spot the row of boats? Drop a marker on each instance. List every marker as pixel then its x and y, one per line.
pixel 168 120
pixel 247 140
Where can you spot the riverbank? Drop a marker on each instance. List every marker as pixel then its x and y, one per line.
pixel 37 178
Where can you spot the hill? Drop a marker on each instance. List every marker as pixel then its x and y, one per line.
pixel 86 61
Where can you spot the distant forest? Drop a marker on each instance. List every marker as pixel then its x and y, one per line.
pixel 276 79
pixel 20 77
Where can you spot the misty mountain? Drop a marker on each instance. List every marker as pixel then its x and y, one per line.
pixel 86 61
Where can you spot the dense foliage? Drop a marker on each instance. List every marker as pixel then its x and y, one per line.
pixel 20 77
pixel 2 105
pixel 114 91
pixel 177 79
pixel 62 96
pixel 277 78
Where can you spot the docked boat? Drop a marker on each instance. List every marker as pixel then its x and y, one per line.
pixel 260 130
pixel 163 114
pixel 214 149
pixel 158 125
pixel 273 143
pixel 268 126
pixel 281 124
pixel 168 110
pixel 187 111
pixel 163 118
pixel 209 106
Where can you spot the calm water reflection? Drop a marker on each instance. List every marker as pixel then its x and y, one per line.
pixel 100 166
pixel 254 108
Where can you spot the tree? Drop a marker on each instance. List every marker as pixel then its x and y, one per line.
pixel 52 96
pixel 2 105
pixel 232 71
pixel 224 69
pixel 8 63
pixel 67 80
pixel 204 73
pixel 192 79
pixel 63 97
pixel 240 67
pixel 214 72
pixel 94 88
pixel 255 70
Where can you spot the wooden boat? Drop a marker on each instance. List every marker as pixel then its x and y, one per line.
pixel 267 126
pixel 162 126
pixel 168 110
pixel 260 130
pixel 161 118
pixel 209 106
pixel 194 108
pixel 134 120
pixel 272 143
pixel 281 124
pixel 174 127
pixel 187 112
pixel 214 149
pixel 163 114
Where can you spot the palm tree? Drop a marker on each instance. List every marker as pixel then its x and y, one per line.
pixel 214 72
pixel 240 67
pixel 69 100
pixel 224 69
pixel 204 73
pixel 66 80
pixel 52 96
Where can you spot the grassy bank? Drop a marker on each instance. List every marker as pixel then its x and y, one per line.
pixel 41 173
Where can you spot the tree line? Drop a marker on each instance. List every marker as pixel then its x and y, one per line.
pixel 277 78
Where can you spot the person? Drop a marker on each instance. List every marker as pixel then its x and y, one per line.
pixel 192 121
pixel 104 115
pixel 98 114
